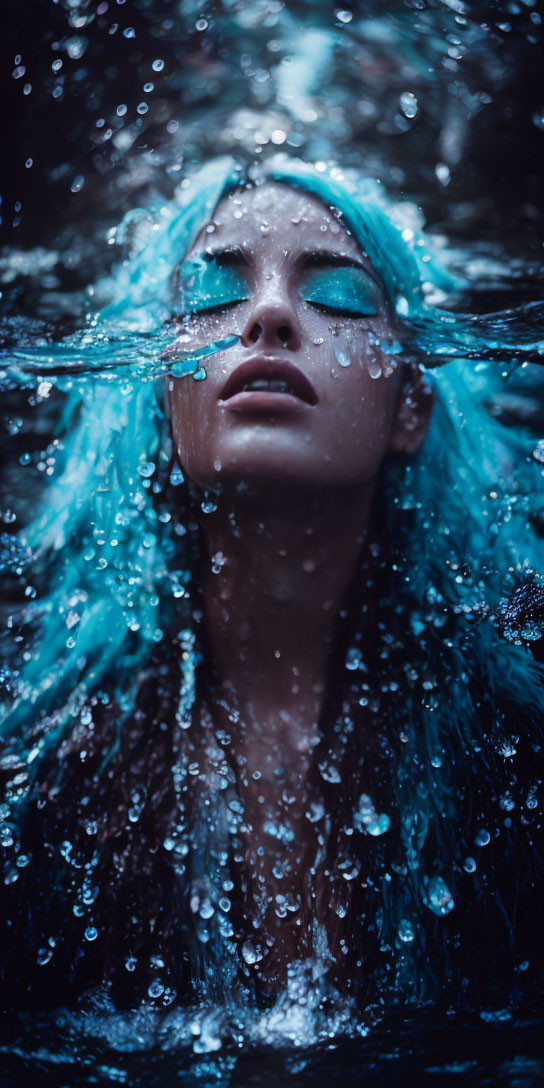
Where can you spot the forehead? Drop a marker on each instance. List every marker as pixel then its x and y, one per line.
pixel 274 214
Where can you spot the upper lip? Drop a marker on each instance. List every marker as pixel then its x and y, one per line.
pixel 266 366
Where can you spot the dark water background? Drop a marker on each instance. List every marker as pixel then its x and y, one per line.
pixel 104 107
pixel 424 1049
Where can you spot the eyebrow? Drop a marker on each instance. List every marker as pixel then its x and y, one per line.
pixel 321 258
pixel 228 253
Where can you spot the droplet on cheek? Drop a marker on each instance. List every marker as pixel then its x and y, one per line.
pixel 342 359
pixel 374 368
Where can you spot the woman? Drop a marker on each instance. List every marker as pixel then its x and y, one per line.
pixel 272 731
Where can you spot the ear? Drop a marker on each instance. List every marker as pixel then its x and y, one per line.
pixel 413 411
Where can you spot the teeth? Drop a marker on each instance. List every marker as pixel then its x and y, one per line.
pixel 268 385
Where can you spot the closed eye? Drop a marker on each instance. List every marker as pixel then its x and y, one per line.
pixel 345 290
pixel 212 283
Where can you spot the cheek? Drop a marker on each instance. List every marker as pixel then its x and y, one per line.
pixel 364 382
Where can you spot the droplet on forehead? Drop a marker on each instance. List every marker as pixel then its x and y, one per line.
pixel 265 198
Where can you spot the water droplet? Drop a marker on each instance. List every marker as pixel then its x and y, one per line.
pixel 405 931
pixel 443 173
pixel 75 46
pixel 315 812
pixel 329 772
pixel 91 933
pixel 146 469
pixel 206 909
pixel 344 16
pixel 44 956
pixel 158 65
pixel 538 452
pixel 367 819
pixel 469 865
pixel 252 952
pixel 77 183
pixel 482 837
pixel 218 562
pixel 156 989
pixel 437 896
pixel 409 104
pixel 201 24
pixel 342 359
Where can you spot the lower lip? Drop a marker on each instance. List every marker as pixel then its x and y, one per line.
pixel 277 404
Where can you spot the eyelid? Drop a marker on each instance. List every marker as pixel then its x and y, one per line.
pixel 207 284
pixel 347 289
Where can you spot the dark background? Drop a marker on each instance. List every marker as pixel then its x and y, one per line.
pixel 472 154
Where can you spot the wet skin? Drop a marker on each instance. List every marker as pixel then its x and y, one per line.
pixel 294 475
pixel 283 273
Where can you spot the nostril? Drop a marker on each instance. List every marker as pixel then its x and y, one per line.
pixel 256 331
pixel 284 333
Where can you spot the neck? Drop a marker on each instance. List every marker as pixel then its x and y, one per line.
pixel 275 583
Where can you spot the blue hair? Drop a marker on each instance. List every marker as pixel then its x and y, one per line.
pixel 459 519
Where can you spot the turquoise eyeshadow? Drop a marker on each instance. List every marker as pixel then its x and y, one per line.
pixel 206 284
pixel 346 290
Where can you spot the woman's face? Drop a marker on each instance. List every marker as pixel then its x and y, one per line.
pixel 310 395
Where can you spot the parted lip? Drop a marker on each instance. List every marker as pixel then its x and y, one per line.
pixel 268 367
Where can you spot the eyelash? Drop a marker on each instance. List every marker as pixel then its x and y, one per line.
pixel 334 311
pixel 215 309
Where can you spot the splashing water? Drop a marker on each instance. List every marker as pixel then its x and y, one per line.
pixel 135 357
pixel 416 90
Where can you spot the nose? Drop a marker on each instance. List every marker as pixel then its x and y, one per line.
pixel 272 322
